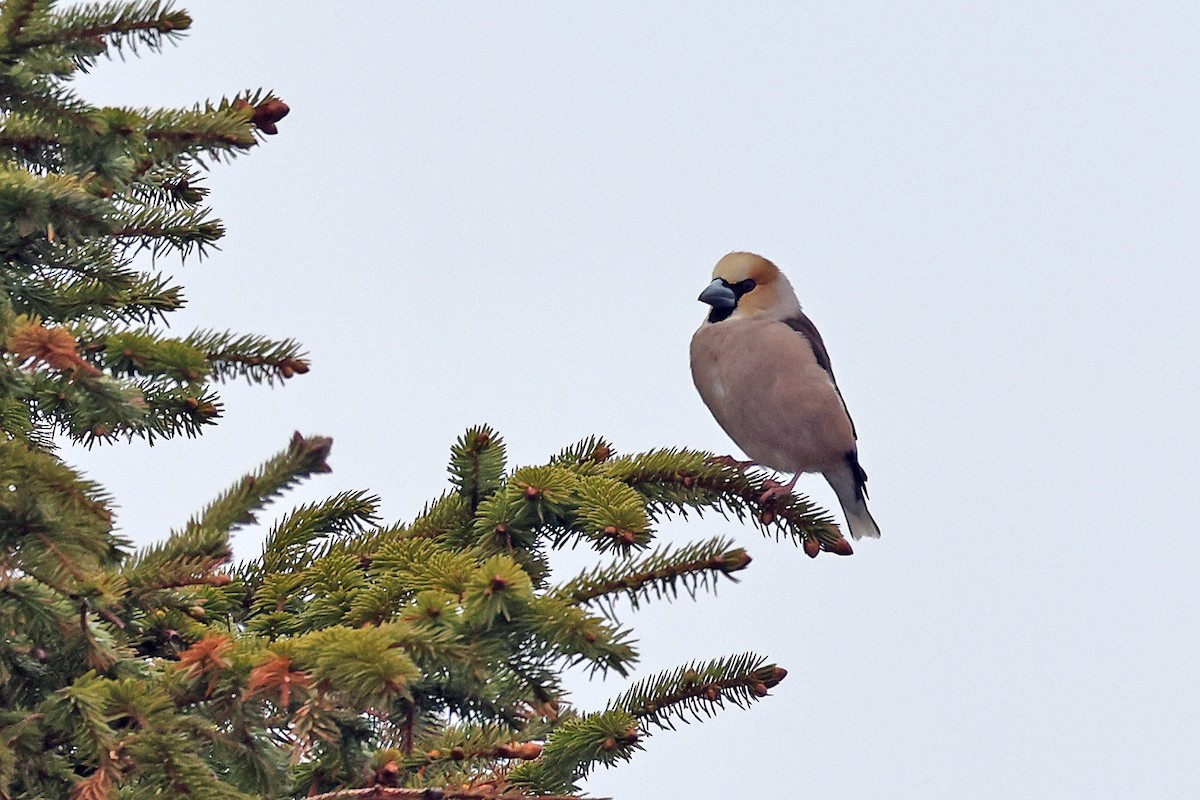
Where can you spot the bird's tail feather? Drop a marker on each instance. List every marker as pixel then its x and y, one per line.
pixel 849 482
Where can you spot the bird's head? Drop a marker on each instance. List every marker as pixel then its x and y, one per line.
pixel 746 285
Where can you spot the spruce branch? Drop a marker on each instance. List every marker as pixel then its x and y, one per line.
pixel 32 206
pixel 158 230
pixel 149 24
pixel 576 747
pixel 236 505
pixel 569 633
pixel 477 464
pixel 15 15
pixel 251 357
pixel 699 690
pixel 469 792
pixel 190 557
pixel 661 573
pixel 117 296
pixel 289 545
pixel 676 481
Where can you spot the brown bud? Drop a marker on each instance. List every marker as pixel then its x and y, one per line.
pixel 602 453
pixel 434 754
pixel 628 537
pixel 712 693
pixel 733 561
pixel 528 750
pixel 766 517
pixel 840 546
pixel 610 744
pixel 688 481
pixel 197 613
pixel 758 689
pixel 458 754
pixel 770 675
pixel 589 637
pixel 499 583
pixel 532 493
pixel 267 113
pixel 482 439
pixel 500 530
pixel 812 547
pixel 387 774
pixel 191 404
pixel 610 530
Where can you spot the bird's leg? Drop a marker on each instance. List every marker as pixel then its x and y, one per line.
pixel 730 461
pixel 776 489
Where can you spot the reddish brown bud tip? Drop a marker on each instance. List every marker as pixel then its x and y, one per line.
pixel 528 750
pixel 458 754
pixel 688 481
pixel 267 113
pixel 812 547
pixel 499 583
pixel 758 689
pixel 733 561
pixel 387 774
pixel 500 530
pixel 610 744
pixel 602 453
pixel 766 517
pixel 770 675
pixel 628 537
pixel 840 546
pixel 532 493
pixel 589 637
pixel 712 693
pixel 610 530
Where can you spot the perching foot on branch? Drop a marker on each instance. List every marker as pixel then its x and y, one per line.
pixel 776 489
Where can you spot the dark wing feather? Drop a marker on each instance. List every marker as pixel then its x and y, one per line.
pixel 802 325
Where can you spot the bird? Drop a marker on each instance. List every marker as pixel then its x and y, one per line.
pixel 762 369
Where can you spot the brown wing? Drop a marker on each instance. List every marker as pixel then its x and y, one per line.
pixel 802 325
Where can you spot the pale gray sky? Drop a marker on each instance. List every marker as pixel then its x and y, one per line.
pixel 476 214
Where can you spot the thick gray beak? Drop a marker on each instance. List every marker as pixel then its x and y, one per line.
pixel 719 296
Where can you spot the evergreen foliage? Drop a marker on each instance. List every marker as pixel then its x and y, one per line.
pixel 350 659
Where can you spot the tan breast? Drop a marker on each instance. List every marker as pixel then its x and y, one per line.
pixel 763 384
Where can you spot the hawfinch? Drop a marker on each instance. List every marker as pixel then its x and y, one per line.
pixel 762 369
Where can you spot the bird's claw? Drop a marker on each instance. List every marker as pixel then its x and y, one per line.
pixel 774 489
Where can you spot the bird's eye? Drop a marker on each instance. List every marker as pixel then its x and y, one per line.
pixel 741 287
